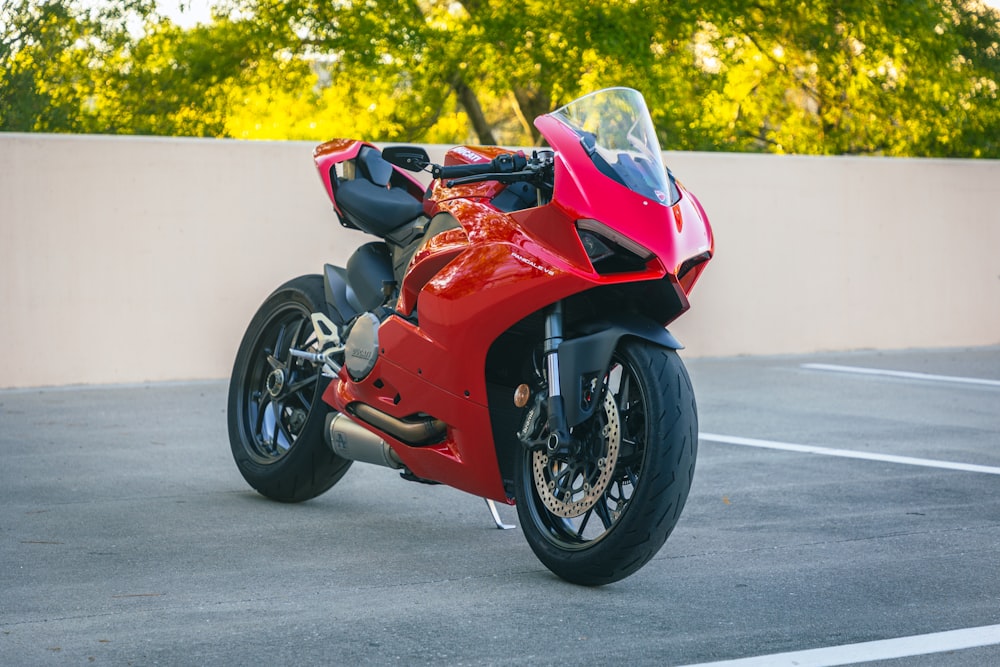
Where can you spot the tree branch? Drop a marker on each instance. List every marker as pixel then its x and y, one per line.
pixel 467 98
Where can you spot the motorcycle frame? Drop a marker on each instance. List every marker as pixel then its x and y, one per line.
pixel 472 285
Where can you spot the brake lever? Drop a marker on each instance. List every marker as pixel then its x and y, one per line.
pixel 512 177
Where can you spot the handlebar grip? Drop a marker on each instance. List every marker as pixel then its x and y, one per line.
pixel 505 163
pixel 459 170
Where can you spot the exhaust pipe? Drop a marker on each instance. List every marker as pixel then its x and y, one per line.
pixel 411 432
pixel 353 441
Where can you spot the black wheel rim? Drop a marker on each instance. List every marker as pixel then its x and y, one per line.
pixel 279 390
pixel 595 523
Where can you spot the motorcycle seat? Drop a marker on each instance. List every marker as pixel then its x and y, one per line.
pixel 376 209
pixel 369 202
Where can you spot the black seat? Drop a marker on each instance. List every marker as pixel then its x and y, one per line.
pixel 368 203
pixel 375 209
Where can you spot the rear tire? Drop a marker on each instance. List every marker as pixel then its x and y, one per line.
pixel 598 516
pixel 276 414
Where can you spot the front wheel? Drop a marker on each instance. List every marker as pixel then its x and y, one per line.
pixel 276 412
pixel 597 515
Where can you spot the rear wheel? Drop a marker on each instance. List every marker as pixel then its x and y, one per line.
pixel 599 514
pixel 276 414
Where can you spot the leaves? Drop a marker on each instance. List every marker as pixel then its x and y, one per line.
pixel 918 77
pixel 857 78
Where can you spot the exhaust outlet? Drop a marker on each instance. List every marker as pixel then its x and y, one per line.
pixel 352 441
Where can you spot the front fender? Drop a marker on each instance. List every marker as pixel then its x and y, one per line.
pixel 585 359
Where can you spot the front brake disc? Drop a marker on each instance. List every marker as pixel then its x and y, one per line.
pixel 568 488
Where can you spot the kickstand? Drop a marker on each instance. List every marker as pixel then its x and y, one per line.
pixel 496 516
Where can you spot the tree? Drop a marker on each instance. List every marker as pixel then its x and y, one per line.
pixel 918 77
pixel 500 63
pixel 893 78
pixel 177 82
pixel 48 50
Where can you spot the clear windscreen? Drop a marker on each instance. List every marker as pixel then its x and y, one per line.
pixel 617 132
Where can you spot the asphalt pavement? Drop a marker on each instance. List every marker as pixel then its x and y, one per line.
pixel 823 523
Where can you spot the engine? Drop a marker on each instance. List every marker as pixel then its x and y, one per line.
pixel 361 350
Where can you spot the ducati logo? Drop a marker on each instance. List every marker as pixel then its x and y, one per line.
pixel 469 154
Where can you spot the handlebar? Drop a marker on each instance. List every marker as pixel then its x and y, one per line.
pixel 459 170
pixel 505 163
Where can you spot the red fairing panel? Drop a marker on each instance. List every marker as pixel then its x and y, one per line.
pixel 673 233
pixel 500 276
pixel 466 459
pixel 336 151
pixel 328 155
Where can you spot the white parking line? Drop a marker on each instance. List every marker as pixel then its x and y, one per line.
pixel 847 453
pixel 900 374
pixel 886 649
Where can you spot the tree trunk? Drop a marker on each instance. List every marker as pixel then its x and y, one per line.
pixel 533 103
pixel 467 98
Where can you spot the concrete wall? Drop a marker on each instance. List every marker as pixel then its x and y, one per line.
pixel 141 259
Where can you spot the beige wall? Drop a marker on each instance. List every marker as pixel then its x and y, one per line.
pixel 137 259
pixel 817 254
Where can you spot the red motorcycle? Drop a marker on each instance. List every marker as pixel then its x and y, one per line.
pixel 505 336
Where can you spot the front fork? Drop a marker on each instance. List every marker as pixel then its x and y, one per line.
pixel 559 438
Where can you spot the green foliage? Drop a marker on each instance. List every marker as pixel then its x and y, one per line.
pixel 895 77
pixel 177 82
pixel 898 78
pixel 33 58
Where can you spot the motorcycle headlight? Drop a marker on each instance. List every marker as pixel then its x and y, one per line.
pixel 596 249
pixel 610 251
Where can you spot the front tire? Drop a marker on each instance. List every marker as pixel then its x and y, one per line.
pixel 600 514
pixel 276 413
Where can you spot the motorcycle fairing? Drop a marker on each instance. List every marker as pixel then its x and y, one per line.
pixel 497 276
pixel 672 233
pixel 444 240
pixel 471 284
pixel 366 203
pixel 460 459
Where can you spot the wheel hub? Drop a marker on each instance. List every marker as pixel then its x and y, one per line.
pixel 275 382
pixel 570 487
